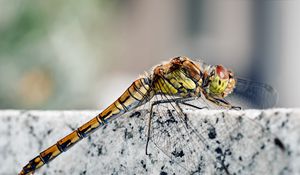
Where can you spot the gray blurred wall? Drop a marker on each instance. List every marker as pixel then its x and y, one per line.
pixel 75 55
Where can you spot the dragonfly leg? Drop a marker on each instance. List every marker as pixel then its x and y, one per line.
pixel 187 104
pixel 222 102
pixel 148 131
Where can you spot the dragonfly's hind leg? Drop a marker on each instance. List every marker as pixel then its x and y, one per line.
pixel 148 131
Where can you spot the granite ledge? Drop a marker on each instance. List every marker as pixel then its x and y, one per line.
pixel 119 147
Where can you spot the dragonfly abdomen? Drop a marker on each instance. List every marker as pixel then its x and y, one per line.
pixel 137 94
pixel 62 145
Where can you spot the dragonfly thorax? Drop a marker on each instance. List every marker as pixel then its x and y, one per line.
pixel 176 83
pixel 179 77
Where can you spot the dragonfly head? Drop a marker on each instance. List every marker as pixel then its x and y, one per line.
pixel 221 81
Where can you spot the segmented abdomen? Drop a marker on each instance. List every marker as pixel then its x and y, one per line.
pixel 137 94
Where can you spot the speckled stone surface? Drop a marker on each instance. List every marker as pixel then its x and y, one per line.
pixel 272 140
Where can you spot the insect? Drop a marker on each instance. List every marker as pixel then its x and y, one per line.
pixel 174 83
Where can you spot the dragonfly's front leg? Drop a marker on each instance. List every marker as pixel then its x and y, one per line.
pixel 185 100
pixel 221 102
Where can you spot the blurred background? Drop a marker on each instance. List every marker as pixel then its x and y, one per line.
pixel 83 54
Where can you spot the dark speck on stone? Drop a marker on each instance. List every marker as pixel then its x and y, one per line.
pixel 279 144
pixel 218 150
pixel 228 152
pixel 212 133
pixel 89 138
pixel 99 151
pixel 240 118
pixel 83 172
pixel 128 135
pixel 71 127
pixel 135 114
pixel 178 153
pixel 163 173
pixel 239 136
pixel 49 131
pixel 141 129
pixel 143 164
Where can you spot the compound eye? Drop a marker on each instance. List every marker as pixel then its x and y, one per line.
pixel 222 72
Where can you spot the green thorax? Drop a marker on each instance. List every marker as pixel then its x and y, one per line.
pixel 175 83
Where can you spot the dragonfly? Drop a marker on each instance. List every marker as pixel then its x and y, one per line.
pixel 170 86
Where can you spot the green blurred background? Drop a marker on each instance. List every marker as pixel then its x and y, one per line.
pixel 83 54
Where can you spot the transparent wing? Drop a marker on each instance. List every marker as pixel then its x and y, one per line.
pixel 250 94
pixel 173 135
pixel 217 144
